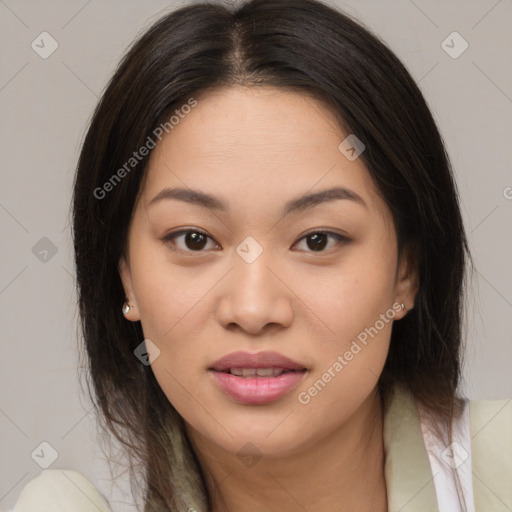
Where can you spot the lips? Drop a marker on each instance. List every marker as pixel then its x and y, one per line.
pixel 256 379
pixel 260 360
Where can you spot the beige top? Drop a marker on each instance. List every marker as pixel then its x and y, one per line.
pixel 418 467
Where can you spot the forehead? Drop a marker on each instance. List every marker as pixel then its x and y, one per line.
pixel 251 145
pixel 243 120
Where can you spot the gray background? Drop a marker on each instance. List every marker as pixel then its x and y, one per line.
pixel 46 104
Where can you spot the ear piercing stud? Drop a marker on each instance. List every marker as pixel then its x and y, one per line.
pixel 402 305
pixel 126 308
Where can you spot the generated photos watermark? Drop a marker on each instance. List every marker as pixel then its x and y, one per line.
pixel 304 397
pixel 143 151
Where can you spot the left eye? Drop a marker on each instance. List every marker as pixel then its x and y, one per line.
pixel 318 240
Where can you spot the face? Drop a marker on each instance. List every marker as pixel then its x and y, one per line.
pixel 254 270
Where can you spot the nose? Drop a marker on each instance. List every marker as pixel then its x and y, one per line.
pixel 255 297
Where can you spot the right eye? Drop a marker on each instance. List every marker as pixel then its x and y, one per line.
pixel 192 240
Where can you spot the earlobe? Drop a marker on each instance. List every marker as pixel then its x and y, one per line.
pixel 126 309
pixel 129 307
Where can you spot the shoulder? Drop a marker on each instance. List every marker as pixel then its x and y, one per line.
pixel 491 428
pixel 477 464
pixel 490 415
pixel 491 447
pixel 59 490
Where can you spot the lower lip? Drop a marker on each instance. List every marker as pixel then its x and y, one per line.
pixel 257 390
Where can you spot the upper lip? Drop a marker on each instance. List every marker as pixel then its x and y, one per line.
pixel 257 360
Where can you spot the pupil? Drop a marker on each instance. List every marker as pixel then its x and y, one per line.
pixel 319 241
pixel 195 240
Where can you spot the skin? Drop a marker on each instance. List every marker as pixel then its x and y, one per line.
pixel 256 149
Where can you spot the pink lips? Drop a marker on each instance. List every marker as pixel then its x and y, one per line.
pixel 256 390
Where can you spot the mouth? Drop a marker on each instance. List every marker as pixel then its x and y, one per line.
pixel 259 378
pixel 248 373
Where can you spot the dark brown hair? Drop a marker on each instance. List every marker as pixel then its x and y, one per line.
pixel 304 46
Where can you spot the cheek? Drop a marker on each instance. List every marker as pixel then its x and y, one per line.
pixel 170 308
pixel 351 296
pixel 172 317
pixel 355 306
pixel 167 295
pixel 350 355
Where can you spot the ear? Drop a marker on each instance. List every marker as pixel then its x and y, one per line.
pixel 407 280
pixel 126 278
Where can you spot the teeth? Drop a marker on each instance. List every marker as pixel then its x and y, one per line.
pixel 260 372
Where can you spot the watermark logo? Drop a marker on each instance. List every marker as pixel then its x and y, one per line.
pixel 249 250
pixel 44 455
pixel 44 250
pixel 147 352
pixel 249 454
pixel 44 45
pixel 351 147
pixel 454 45
pixel 454 455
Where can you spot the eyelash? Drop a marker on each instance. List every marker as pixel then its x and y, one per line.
pixel 341 239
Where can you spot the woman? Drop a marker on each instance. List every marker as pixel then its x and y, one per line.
pixel 271 262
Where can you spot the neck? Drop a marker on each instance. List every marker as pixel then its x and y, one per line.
pixel 343 471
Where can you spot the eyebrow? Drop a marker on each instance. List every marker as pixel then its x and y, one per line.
pixel 301 203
